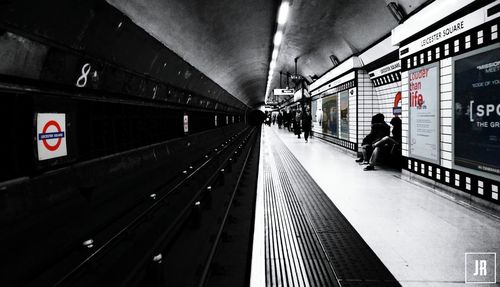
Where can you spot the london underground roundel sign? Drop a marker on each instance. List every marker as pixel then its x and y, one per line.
pixel 51 135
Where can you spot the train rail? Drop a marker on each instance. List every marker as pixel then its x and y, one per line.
pixel 128 250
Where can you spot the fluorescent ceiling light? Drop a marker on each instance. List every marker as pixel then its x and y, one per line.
pixel 277 38
pixel 283 13
pixel 275 53
pixel 272 65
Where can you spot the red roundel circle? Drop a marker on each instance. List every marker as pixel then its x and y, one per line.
pixel 59 140
pixel 397 99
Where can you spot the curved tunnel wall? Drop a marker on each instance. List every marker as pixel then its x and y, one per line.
pixel 53 40
pixel 119 87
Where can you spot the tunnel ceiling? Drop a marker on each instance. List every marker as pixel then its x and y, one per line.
pixel 231 40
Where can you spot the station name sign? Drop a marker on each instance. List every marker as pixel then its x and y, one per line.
pixel 283 92
pixel 334 83
pixel 51 135
pixel 448 31
pixel 387 69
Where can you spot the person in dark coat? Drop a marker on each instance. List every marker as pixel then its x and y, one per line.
pixel 284 118
pixel 387 144
pixel 306 123
pixel 286 123
pixel 379 129
pixel 296 124
pixel 280 119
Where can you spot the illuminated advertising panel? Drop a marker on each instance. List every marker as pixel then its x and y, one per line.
pixel 314 107
pixel 477 111
pixel 344 115
pixel 424 112
pixel 330 115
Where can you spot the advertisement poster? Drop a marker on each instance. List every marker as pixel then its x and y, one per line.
pixel 477 111
pixel 330 115
pixel 344 115
pixel 314 106
pixel 319 112
pixel 424 113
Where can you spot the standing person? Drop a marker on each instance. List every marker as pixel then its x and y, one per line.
pixel 306 123
pixel 320 117
pixel 280 119
pixel 285 120
pixel 291 120
pixel 274 119
pixel 296 126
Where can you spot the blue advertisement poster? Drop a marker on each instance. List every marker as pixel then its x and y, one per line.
pixel 477 111
pixel 330 115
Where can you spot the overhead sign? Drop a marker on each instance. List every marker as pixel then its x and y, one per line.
pixel 186 123
pixel 450 30
pixel 297 96
pixel 283 92
pixel 51 136
pixel 477 112
pixel 336 82
pixel 424 113
pixel 387 69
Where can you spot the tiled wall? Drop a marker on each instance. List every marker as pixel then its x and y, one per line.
pixel 404 113
pixel 352 115
pixel 446 112
pixel 367 105
pixel 385 98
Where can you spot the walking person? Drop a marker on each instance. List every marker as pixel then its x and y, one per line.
pixel 306 123
pixel 291 120
pixel 296 124
pixel 280 119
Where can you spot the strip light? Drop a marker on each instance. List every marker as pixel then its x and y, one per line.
pixel 275 54
pixel 283 13
pixel 277 40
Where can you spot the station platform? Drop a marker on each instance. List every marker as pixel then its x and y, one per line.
pixel 323 221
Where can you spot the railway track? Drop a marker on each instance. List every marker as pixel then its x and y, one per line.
pixel 139 252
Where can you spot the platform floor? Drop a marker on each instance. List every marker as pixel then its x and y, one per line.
pixel 420 236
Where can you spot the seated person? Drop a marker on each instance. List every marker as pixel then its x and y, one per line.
pixel 379 129
pixel 386 145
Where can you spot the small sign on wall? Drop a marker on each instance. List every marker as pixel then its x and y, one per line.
pixel 397 109
pixel 51 135
pixel 215 119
